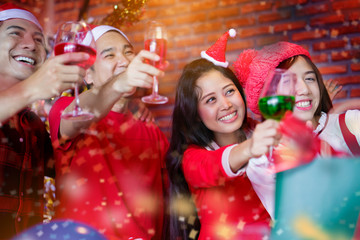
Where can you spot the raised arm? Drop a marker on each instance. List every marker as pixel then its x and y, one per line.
pixel 264 136
pixel 48 81
pixel 100 100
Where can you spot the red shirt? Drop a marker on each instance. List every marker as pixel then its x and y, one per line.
pixel 111 175
pixel 25 151
pixel 228 208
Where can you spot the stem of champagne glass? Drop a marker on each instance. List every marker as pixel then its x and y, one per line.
pixel 271 160
pixel 155 87
pixel 77 100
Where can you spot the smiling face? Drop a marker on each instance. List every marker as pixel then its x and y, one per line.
pixel 307 97
pixel 22 50
pixel 221 107
pixel 114 53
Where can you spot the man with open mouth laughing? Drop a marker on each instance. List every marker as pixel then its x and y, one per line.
pixel 25 147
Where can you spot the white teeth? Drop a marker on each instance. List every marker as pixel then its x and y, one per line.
pixel 303 104
pixel 227 117
pixel 25 59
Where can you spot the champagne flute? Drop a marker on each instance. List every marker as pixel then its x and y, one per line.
pixel 277 96
pixel 76 37
pixel 155 41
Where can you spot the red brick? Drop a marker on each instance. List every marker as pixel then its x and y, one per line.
pixel 170 78
pixel 150 13
pixel 289 26
pixel 354 15
pixel 207 27
pixel 163 112
pixel 111 1
pixel 312 10
pixel 63 6
pixel 323 20
pixel 179 31
pixel 287 3
pixel 323 57
pixel 104 10
pixel 329 45
pixel 190 41
pixel 167 89
pixel 195 51
pixel 175 11
pixel 355 67
pixel 232 2
pixel 348 80
pixel 270 40
pixel 333 69
pixel 191 18
pixel 355 93
pixel 270 17
pixel 347 4
pixel 308 35
pixel 239 44
pixel 355 41
pixel 158 3
pixel 213 37
pixel 240 22
pixel 250 32
pixel 203 5
pixel 181 64
pixel 164 124
pixel 344 30
pixel 68 15
pixel 256 7
pixel 95 3
pixel 345 55
pixel 177 54
pixel 224 12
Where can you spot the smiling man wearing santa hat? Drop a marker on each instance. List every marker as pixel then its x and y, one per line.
pixel 118 159
pixel 25 147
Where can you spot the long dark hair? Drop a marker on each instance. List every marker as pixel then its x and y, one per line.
pixel 325 102
pixel 187 128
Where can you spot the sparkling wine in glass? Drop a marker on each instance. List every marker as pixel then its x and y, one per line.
pixel 76 37
pixel 277 96
pixel 156 41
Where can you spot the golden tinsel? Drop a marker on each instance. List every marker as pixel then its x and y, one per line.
pixel 125 12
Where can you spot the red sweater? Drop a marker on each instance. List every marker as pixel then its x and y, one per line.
pixel 228 207
pixel 111 175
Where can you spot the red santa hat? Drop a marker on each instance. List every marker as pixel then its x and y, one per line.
pixel 253 66
pixel 99 30
pixel 216 53
pixel 10 11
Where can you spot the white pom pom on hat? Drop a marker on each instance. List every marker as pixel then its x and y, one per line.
pixel 12 11
pixel 216 53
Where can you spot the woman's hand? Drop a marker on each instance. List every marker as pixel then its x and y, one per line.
pixel 332 87
pixel 265 135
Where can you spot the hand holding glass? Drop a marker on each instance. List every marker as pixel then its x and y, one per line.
pixel 155 41
pixel 76 37
pixel 277 96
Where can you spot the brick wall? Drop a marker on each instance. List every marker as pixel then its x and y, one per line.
pixel 330 30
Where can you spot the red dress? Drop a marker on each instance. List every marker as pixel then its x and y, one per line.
pixel 228 207
pixel 111 175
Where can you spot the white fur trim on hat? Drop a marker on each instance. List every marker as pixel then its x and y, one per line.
pixel 19 13
pixel 213 60
pixel 101 29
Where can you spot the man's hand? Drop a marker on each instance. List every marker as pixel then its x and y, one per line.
pixel 138 73
pixel 54 76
